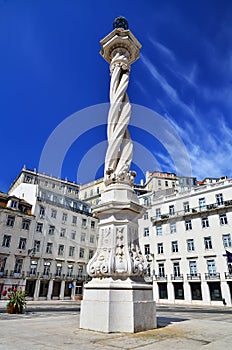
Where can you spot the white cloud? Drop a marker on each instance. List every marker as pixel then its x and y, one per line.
pixel 163 49
pixel 172 94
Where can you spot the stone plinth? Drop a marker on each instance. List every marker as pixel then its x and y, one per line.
pixel 118 305
pixel 118 299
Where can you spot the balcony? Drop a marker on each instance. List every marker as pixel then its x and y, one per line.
pixel 15 274
pixel 83 277
pixel 228 275
pixel 3 274
pixel 179 277
pixel 192 211
pixel 45 276
pixel 32 274
pixel 194 276
pixel 212 276
pixel 161 278
pixel 148 279
pixel 58 276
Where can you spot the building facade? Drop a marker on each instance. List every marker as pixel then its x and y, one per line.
pixel 60 241
pixel 16 225
pixel 185 236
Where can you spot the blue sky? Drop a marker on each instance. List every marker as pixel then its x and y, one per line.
pixel 50 68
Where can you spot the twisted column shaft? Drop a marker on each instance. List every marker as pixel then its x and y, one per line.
pixel 120 148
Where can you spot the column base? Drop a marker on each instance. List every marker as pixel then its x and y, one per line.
pixel 118 305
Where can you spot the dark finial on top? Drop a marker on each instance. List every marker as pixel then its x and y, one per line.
pixel 120 22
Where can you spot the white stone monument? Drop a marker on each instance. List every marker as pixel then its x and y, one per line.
pixel 117 299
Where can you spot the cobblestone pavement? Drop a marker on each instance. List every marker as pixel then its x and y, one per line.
pixel 55 325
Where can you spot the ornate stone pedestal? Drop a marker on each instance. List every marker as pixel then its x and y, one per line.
pixel 118 300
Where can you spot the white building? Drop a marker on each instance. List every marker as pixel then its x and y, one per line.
pixel 60 242
pixel 185 236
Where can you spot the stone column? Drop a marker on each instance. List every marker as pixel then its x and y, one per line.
pixel 50 288
pixel 62 287
pixel 117 299
pixel 37 288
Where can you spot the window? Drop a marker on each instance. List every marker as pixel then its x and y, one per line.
pixel 175 247
pixel 158 213
pixel 146 232
pixel 91 192
pixel 219 199
pixel 10 221
pixel 208 242
pixel 74 220
pixel 82 253
pixel 54 213
pixel 61 249
pixel 69 189
pixel 172 228
pixel 211 267
pixel 159 230
pixel 202 205
pixel 190 245
pixel 147 249
pixel 46 270
pixel 186 207
pixel 71 251
pixel 70 271
pixel 18 265
pixel 98 190
pixel 6 241
pixel 33 268
pixel 171 210
pixel 25 224
pixel 36 246
pixel 159 182
pixel 14 204
pixel 22 243
pixel 188 225
pixel 92 225
pixel 39 227
pixel 49 248
pixel 64 217
pixel 223 219
pixel 193 267
pixel 46 183
pixel 226 240
pixel 90 254
pixel 82 237
pixel 145 216
pixel 62 232
pixel 55 199
pixel 91 239
pixel 176 269
pixel 41 212
pixel 28 179
pixel 84 222
pixel 53 185
pixel 51 230
pixel 166 183
pixel 205 222
pixel 161 270
pixel 73 234
pixel 160 248
pixel 58 270
pixel 80 271
pixel 215 291
pixel 75 205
